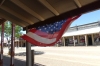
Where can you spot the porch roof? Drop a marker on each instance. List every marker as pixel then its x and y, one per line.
pixel 82 32
pixel 32 13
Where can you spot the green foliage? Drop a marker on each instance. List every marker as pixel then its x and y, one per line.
pixel 7 30
pixel 18 32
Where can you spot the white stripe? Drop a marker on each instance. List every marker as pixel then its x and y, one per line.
pixel 40 39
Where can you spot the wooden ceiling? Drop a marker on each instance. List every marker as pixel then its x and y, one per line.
pixel 2 20
pixel 32 13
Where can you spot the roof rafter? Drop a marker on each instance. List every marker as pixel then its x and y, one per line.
pixel 46 4
pixel 16 14
pixel 78 3
pixel 84 9
pixel 11 19
pixel 1 2
pixel 27 9
pixel 2 20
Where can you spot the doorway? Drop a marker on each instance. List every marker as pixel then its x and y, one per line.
pixel 66 42
pixel 89 40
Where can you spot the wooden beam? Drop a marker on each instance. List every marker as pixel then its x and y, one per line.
pixel 1 2
pixel 46 4
pixel 2 20
pixel 11 19
pixel 78 3
pixel 90 7
pixel 27 9
pixel 16 14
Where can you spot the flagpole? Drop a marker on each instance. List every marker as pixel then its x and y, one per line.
pixel 12 45
pixel 2 42
pixel 28 52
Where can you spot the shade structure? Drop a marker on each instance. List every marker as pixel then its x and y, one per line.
pixel 82 32
pixel 33 13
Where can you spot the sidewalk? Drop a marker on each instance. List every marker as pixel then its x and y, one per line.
pixel 19 60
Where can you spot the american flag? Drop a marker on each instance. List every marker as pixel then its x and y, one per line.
pixel 48 34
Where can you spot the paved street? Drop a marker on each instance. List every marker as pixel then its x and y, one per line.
pixel 64 56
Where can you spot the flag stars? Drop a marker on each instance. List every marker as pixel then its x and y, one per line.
pixel 56 24
pixel 51 28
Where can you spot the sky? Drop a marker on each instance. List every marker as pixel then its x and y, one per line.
pixel 86 18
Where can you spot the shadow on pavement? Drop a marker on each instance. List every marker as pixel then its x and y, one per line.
pixel 17 62
pixel 24 53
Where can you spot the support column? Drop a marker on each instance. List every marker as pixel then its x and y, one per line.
pixel 93 39
pixel 64 41
pixel 86 42
pixel 32 57
pixel 18 44
pixel 21 43
pixel 74 40
pixel 12 45
pixel 28 52
pixel 78 39
pixel 25 43
pixel 2 42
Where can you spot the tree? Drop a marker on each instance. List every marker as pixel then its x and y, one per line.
pixel 7 30
pixel 18 32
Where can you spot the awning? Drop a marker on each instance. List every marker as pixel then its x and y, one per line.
pixel 33 13
pixel 82 32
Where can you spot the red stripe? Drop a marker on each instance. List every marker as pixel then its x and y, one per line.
pixel 34 42
pixel 43 34
pixel 58 36
pixel 66 25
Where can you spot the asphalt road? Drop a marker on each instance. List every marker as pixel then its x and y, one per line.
pixel 64 56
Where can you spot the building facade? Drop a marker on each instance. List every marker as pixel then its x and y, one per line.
pixel 82 35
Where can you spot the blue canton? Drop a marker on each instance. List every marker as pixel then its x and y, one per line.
pixel 51 28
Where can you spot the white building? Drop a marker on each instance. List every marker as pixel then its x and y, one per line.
pixel 87 34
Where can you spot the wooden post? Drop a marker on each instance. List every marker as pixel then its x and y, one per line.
pixel 18 44
pixel 28 52
pixel 21 43
pixel 86 42
pixel 93 39
pixel 64 41
pixel 2 42
pixel 32 59
pixel 12 45
pixel 78 39
pixel 74 40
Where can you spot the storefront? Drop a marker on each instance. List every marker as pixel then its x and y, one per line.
pixel 89 36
